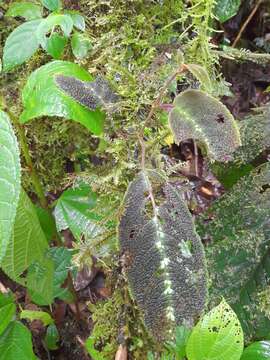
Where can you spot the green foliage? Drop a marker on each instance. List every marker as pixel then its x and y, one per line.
pixel 27 10
pixel 89 344
pixel 39 281
pixel 15 343
pixel 106 320
pixel 150 242
pixel 47 25
pixel 55 45
pixel 41 96
pixel 74 211
pixel 61 258
pixel 16 54
pixel 259 350
pixel 37 315
pixel 217 336
pixel 178 347
pixel 225 9
pixel 52 4
pixel 239 244
pixel 198 115
pixel 80 45
pixel 52 337
pixel 27 243
pixel 7 311
pixel 9 181
pixel 45 277
pixel 42 32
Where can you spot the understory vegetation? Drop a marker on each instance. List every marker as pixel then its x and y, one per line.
pixel 134 179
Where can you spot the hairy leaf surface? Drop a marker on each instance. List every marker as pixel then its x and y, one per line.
pixel 238 250
pixel 164 258
pixel 14 53
pixel 90 94
pixel 9 181
pixel 199 116
pixel 28 241
pixel 42 97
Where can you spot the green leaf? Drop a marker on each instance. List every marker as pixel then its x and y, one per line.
pixel 80 44
pixel 27 10
pixel 61 258
pixel 89 344
pixel 181 338
pixel 42 97
pixel 52 4
pixel 202 75
pixel 225 9
pixel 178 348
pixel 9 181
pixel 7 311
pixel 55 45
pixel 40 278
pixel 28 241
pixel 37 315
pixel 16 343
pixel 52 337
pixel 239 243
pixel 46 222
pixel 47 25
pixel 259 350
pixel 14 53
pixel 217 336
pixel 74 211
pixel 78 19
pixel 199 116
pixel 161 246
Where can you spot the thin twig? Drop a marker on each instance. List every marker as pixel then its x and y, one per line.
pixel 243 27
pixel 156 103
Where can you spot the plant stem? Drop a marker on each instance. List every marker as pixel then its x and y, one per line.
pixel 26 153
pixel 243 27
pixel 156 103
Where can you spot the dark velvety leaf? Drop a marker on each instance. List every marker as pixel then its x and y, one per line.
pixel 90 94
pixel 41 96
pixel 197 115
pixel 164 257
